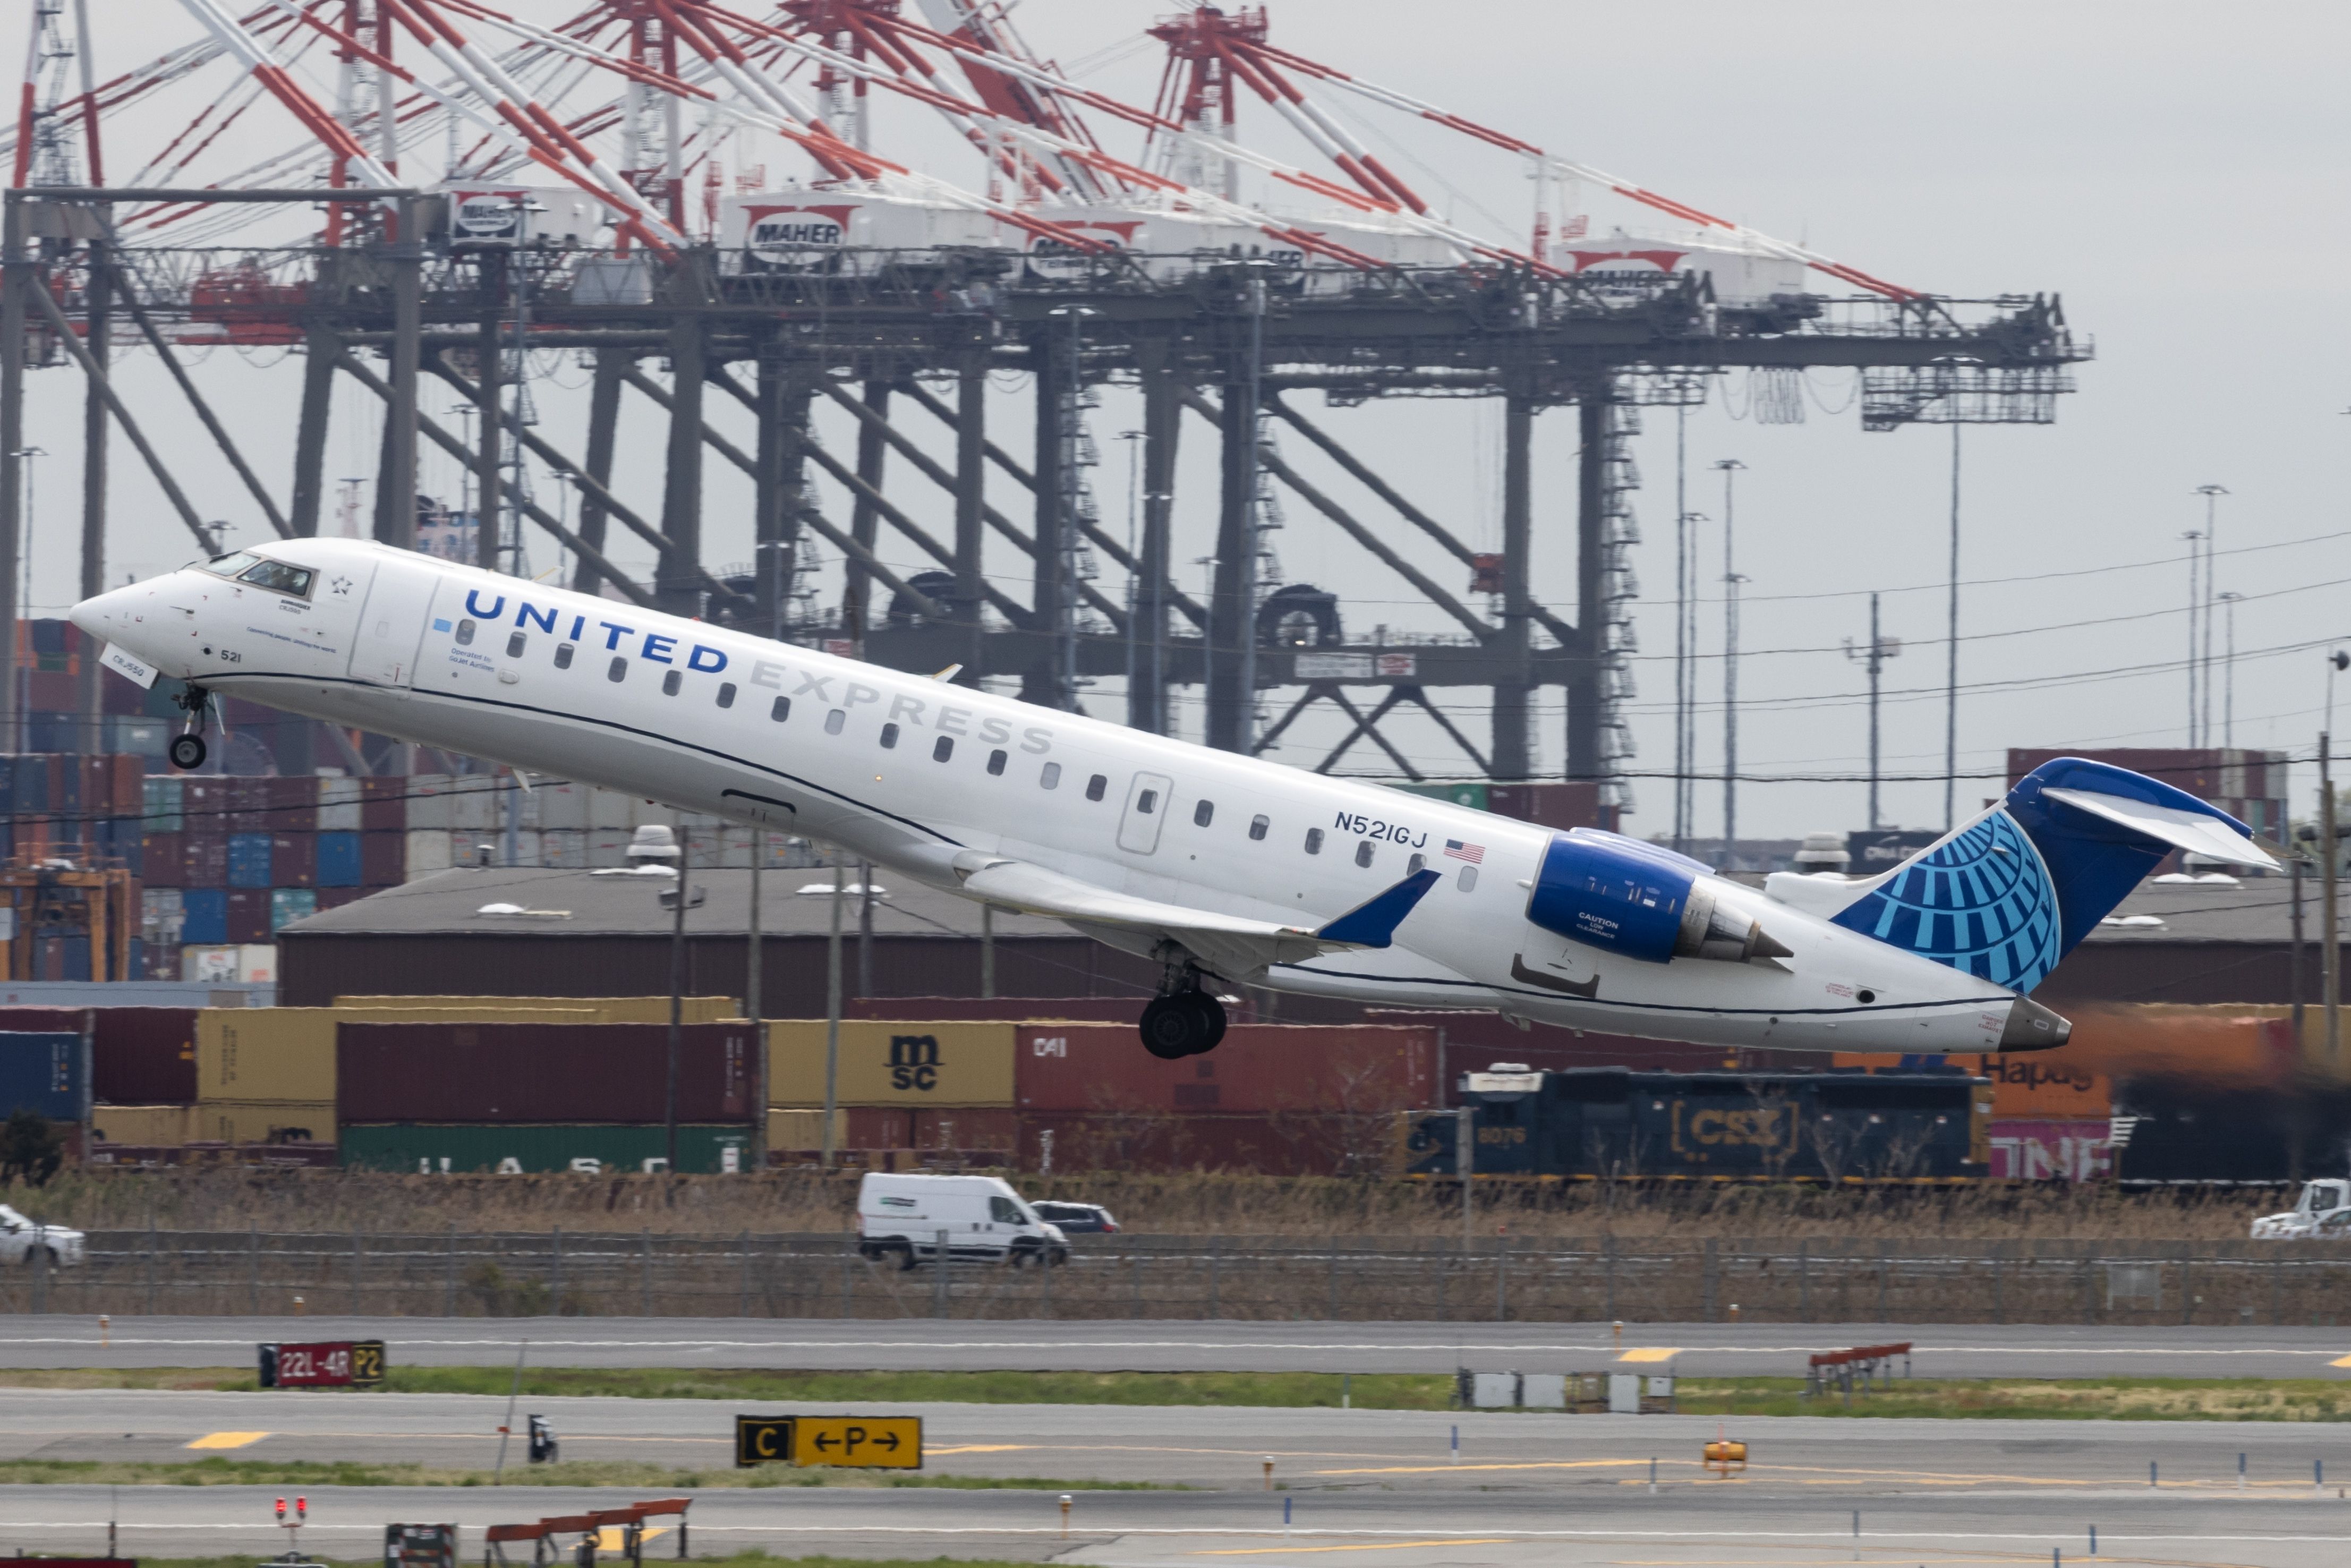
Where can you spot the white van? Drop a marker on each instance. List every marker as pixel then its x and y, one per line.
pixel 983 1220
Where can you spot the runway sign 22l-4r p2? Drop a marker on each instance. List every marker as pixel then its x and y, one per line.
pixel 327 1363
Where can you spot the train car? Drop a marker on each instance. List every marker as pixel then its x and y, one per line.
pixel 1614 1123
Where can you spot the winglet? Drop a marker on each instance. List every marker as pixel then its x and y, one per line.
pixel 1372 922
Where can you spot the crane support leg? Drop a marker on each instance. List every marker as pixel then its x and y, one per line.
pixel 603 424
pixel 1513 749
pixel 1585 704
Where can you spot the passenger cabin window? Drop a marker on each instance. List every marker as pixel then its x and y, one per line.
pixel 889 737
pixel 671 681
pixel 1148 802
pixel 726 694
pixel 1313 841
pixel 563 651
pixel 1258 826
pixel 1467 880
pixel 465 634
pixel 943 749
pixel 780 709
pixel 515 645
pixel 279 577
pixel 1364 852
pixel 619 670
pixel 1095 785
pixel 834 719
pixel 996 761
pixel 1050 779
pixel 1203 812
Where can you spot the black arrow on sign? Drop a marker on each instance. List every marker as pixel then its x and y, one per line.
pixel 825 1440
pixel 888 1440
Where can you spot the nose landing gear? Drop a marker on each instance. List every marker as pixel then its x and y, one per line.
pixel 1184 1022
pixel 187 749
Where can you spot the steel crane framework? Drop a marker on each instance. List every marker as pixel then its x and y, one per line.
pixel 1154 270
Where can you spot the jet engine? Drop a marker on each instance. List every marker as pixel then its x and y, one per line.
pixel 1614 894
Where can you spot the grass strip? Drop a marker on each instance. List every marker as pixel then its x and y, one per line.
pixel 751 1559
pixel 2023 1398
pixel 215 1471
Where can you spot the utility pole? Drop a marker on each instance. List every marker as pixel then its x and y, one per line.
pixel 1951 667
pixel 1681 630
pixel 2195 603
pixel 1730 468
pixel 2330 936
pixel 2211 494
pixel 1880 649
pixel 2228 672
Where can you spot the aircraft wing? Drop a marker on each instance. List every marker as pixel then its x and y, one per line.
pixel 1228 944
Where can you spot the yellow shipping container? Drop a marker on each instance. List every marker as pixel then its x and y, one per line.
pixel 891 1062
pixel 142 1126
pixel 608 1009
pixel 262 1121
pixel 805 1129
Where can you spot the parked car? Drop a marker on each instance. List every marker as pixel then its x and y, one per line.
pixel 21 1239
pixel 980 1218
pixel 1078 1218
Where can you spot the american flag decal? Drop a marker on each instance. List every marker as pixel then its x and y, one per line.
pixel 1473 853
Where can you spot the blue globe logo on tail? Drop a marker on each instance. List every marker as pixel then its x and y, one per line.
pixel 1980 900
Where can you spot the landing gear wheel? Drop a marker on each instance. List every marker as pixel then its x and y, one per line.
pixel 188 752
pixel 1184 1024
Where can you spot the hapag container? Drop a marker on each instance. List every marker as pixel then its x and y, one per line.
pixel 261 1122
pixel 2027 1149
pixel 46 1073
pixel 2037 1086
pixel 894 1063
pixel 613 1073
pixel 1350 1069
pixel 143 1056
pixel 534 1149
pixel 143 1126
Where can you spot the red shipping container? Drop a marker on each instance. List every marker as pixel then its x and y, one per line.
pixel 294 858
pixel 97 787
pixel 249 915
pixel 162 859
pixel 1474 1041
pixel 293 804
pixel 129 778
pixel 143 1056
pixel 335 897
pixel 971 1127
pixel 203 807
pixel 1276 1144
pixel 248 805
pixel 877 1127
pixel 42 1020
pixel 383 806
pixel 52 691
pixel 1127 1010
pixel 383 859
pixel 204 861
pixel 501 1073
pixel 1257 1067
pixel 1558 805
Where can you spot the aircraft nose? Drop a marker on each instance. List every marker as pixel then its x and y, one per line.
pixel 107 616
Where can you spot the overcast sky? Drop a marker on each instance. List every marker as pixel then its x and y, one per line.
pixel 2176 171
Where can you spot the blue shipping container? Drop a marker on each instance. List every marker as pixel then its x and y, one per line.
pixel 338 860
pixel 46 1073
pixel 249 859
pixel 203 916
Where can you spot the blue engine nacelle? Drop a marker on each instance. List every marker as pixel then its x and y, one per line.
pixel 1624 897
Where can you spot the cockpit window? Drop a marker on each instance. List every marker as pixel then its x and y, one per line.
pixel 231 565
pixel 277 575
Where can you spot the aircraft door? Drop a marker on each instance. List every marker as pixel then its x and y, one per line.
pixel 391 623
pixel 1146 808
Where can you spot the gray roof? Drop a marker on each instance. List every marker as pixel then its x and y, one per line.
pixel 584 904
pixel 2258 909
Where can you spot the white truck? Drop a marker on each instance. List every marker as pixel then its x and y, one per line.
pixel 2324 1210
pixel 22 1239
pixel 978 1218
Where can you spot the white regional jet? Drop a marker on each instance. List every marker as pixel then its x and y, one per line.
pixel 1219 868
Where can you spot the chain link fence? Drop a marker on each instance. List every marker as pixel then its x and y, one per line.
pixel 1350 1279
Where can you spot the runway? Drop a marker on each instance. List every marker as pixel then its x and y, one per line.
pixel 1942 1350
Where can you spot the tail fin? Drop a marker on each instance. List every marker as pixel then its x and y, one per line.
pixel 2007 897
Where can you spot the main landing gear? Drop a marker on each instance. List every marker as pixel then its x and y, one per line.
pixel 187 748
pixel 1186 1023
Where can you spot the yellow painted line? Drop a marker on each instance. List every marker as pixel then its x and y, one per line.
pixel 2340 1360
pixel 984 1449
pixel 1653 1352
pixel 1381 1546
pixel 227 1439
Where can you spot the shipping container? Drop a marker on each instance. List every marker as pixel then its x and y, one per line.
pixel 266 1054
pixel 164 856
pixel 475 802
pixel 2035 1086
pixel 563 807
pixel 249 859
pixel 428 850
pixel 1127 1010
pixel 287 904
pixel 1832 1126
pixel 46 1073
pixel 599 1009
pixel 606 1074
pixel 204 916
pixel 160 796
pixel 1286 1144
pixel 142 1056
pixel 1472 795
pixel 1558 806
pixel 248 804
pixel 261 1122
pixel 383 805
pixel 531 1150
pixel 1473 1041
pixel 895 1064
pixel 144 1126
pixel 1342 1069
pixel 803 1130
pixel 249 915
pixel 563 849
pixel 335 897
pixel 203 859
pixel 383 859
pixel 971 1127
pixel 340 805
pixel 428 802
pixel 294 860
pixel 339 857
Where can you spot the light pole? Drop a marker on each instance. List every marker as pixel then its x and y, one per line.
pixel 1728 467
pixel 1951 652
pixel 2228 671
pixel 2195 599
pixel 1880 649
pixel 1134 439
pixel 1685 534
pixel 30 457
pixel 2211 494
pixel 2330 953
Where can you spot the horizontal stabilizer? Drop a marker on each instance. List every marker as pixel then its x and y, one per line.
pixel 2198 832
